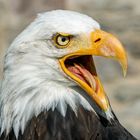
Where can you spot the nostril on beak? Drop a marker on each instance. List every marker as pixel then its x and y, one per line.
pixel 97 40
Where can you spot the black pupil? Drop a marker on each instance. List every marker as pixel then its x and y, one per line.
pixel 63 39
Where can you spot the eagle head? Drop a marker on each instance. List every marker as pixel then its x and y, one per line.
pixel 50 66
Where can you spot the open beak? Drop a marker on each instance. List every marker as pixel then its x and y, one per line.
pixel 80 67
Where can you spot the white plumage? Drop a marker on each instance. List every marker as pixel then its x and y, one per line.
pixel 31 68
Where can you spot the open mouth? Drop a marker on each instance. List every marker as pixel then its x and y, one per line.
pixel 83 68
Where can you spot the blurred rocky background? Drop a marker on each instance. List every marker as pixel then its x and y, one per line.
pixel 120 17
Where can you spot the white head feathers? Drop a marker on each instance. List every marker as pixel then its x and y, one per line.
pixel 33 80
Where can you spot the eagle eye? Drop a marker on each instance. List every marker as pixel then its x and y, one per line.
pixel 62 41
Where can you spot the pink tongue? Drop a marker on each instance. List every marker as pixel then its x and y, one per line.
pixel 83 74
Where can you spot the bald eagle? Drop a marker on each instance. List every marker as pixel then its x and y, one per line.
pixel 51 90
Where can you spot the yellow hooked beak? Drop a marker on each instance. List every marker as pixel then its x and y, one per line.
pixel 102 44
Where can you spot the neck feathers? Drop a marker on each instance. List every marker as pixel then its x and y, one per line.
pixel 17 111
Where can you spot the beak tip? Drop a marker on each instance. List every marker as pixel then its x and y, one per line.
pixel 124 73
pixel 124 66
